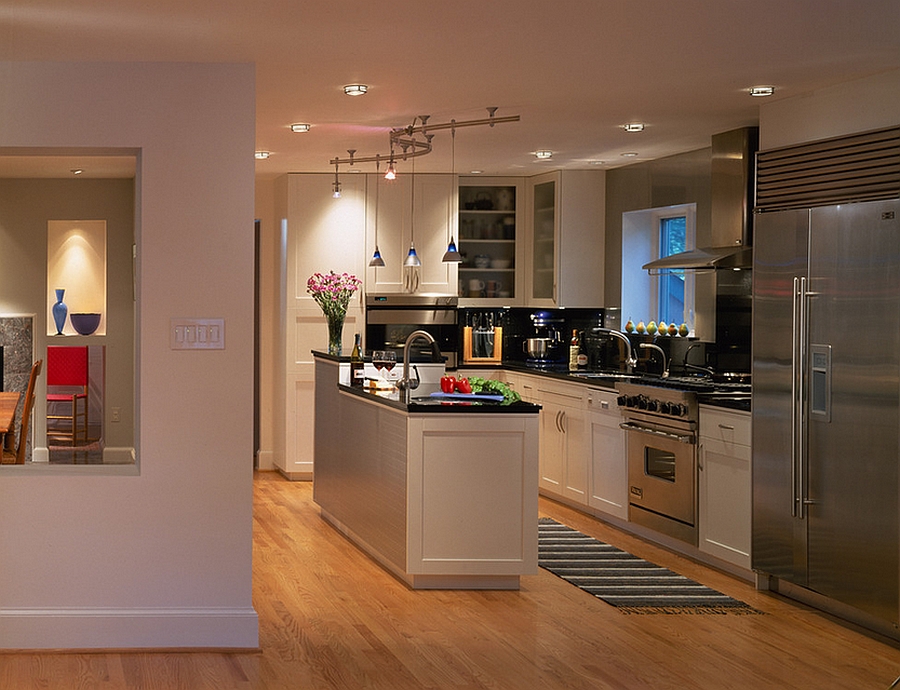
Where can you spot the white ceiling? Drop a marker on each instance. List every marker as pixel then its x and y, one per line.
pixel 574 70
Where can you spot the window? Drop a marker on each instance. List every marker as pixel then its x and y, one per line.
pixel 647 235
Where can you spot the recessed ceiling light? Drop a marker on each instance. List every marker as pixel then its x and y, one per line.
pixel 76 171
pixel 629 154
pixel 261 155
pixel 355 89
pixel 543 154
pixel 475 172
pixel 596 162
pixel 761 90
pixel 300 127
pixel 634 127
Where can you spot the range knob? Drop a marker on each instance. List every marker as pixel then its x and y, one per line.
pixel 622 401
pixel 652 405
pixel 642 402
pixel 666 407
pixel 680 410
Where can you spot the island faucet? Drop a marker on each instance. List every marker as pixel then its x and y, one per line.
pixel 630 359
pixel 662 353
pixel 405 383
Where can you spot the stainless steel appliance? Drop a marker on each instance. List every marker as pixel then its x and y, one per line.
pixel 661 447
pixel 545 349
pixel 391 318
pixel 826 402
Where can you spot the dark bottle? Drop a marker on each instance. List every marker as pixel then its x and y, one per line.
pixel 357 366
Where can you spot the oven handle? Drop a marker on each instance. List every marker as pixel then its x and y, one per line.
pixel 683 438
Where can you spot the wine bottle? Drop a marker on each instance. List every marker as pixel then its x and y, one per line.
pixel 357 366
pixel 574 349
pixel 582 358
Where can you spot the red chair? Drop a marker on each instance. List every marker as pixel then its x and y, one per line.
pixel 67 374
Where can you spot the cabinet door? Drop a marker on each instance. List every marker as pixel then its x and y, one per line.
pixel 551 448
pixel 609 468
pixel 575 455
pixel 725 501
pixel 395 217
pixel 543 224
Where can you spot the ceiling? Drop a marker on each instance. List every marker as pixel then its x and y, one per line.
pixel 574 70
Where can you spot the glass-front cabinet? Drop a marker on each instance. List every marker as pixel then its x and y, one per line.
pixel 490 240
pixel 543 200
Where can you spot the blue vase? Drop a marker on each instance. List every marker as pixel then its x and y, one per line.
pixel 60 311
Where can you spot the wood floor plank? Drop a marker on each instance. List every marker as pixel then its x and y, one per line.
pixel 332 619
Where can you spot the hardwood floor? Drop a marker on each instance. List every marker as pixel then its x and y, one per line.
pixel 330 618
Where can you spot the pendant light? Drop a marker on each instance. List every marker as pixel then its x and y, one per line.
pixel 452 255
pixel 376 261
pixel 336 185
pixel 412 259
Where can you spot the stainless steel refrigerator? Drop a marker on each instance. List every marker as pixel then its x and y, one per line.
pixel 826 401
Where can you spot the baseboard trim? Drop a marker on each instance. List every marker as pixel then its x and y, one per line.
pixel 109 628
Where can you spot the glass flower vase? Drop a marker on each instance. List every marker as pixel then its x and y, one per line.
pixel 335 331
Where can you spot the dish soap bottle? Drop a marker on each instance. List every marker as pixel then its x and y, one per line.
pixel 357 366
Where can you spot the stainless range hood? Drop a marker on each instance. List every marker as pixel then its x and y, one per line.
pixel 732 169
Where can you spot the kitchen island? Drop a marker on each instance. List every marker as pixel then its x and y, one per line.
pixel 444 496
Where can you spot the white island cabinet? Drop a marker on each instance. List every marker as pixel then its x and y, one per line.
pixel 609 467
pixel 442 496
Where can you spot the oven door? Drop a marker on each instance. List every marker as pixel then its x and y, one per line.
pixel 662 476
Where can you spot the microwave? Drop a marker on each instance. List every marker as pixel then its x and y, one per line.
pixel 392 317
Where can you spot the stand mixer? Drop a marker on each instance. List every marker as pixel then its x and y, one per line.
pixel 545 349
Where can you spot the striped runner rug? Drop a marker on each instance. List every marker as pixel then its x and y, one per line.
pixel 627 582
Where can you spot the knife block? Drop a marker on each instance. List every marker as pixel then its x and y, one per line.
pixel 497 355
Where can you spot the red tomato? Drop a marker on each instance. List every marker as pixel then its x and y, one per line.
pixel 463 386
pixel 448 384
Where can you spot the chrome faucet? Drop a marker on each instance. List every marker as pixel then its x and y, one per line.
pixel 630 360
pixel 662 353
pixel 405 383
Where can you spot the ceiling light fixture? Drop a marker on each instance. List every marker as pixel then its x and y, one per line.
pixel 300 127
pixel 391 173
pixel 76 171
pixel 412 259
pixel 629 154
pixel 452 255
pixel 336 185
pixel 761 90
pixel 634 127
pixel 404 137
pixel 476 172
pixel 355 89
pixel 376 260
pixel 543 154
pixel 261 155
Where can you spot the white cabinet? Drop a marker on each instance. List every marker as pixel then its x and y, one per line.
pixel 563 453
pixel 320 234
pixel 725 484
pixel 395 216
pixel 566 227
pixel 609 469
pixel 490 239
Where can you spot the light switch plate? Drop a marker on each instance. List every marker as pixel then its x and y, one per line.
pixel 197 334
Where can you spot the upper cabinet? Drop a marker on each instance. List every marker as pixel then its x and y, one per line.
pixel 421 211
pixel 565 252
pixel 490 240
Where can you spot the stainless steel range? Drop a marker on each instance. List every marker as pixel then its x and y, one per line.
pixel 661 426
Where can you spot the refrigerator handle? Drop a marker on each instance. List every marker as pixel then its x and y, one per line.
pixel 802 401
pixel 795 370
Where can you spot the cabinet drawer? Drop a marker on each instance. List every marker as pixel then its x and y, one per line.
pixel 725 425
pixel 561 393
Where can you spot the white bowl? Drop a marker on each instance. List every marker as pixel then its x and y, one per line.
pixel 501 263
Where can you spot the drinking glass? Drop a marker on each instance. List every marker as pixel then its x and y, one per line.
pixel 378 360
pixel 390 359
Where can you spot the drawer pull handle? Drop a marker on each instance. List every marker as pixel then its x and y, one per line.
pixel 728 427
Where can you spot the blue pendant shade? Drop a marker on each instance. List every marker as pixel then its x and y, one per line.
pixel 376 258
pixel 412 259
pixel 452 256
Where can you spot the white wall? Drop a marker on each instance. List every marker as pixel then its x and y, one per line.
pixel 857 106
pixel 158 554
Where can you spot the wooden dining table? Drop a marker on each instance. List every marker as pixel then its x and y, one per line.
pixel 9 401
